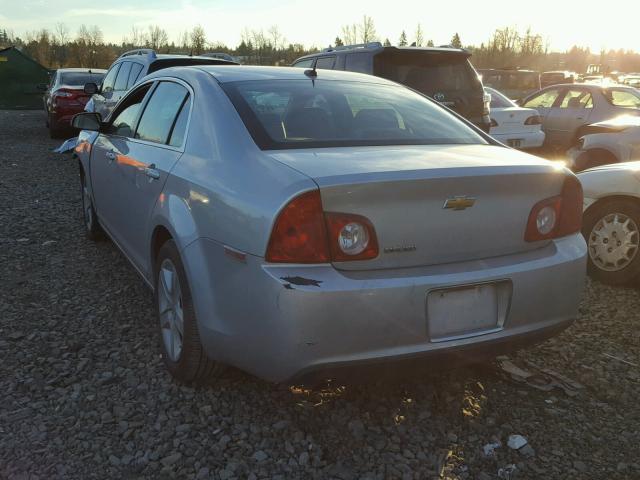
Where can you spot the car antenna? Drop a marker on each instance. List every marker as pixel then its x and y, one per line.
pixel 311 73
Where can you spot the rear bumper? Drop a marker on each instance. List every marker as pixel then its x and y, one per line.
pixel 284 322
pixel 526 139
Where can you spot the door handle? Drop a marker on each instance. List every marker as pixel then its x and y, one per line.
pixel 111 156
pixel 151 172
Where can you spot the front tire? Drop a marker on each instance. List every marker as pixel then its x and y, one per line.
pixel 92 228
pixel 612 232
pixel 180 343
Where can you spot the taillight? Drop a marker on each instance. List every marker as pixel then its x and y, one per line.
pixel 533 120
pixel 303 233
pixel 299 234
pixel 351 237
pixel 493 123
pixel 557 216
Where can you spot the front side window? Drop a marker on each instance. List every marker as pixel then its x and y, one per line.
pixel 306 114
pixel 577 99
pixel 124 121
pixel 161 111
pixel 544 99
pixel 123 77
pixel 623 98
pixel 110 79
pixel 304 63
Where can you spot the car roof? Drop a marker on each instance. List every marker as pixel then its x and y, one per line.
pixel 237 73
pixel 151 58
pixel 377 49
pixel 83 70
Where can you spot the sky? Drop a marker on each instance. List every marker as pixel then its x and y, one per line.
pixel 316 23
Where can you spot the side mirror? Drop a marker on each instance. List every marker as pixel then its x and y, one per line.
pixel 87 121
pixel 90 88
pixel 43 87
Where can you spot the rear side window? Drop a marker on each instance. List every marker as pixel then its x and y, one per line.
pixel 110 79
pixel 358 62
pixel 326 63
pixel 123 77
pixel 136 68
pixel 180 127
pixel 623 98
pixel 161 111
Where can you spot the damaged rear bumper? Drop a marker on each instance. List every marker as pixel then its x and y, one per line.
pixel 282 322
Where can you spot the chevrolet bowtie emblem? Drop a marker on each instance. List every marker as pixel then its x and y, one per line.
pixel 459 203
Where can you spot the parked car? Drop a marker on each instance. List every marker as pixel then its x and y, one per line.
pixel 132 66
pixel 445 74
pixel 612 141
pixel 512 125
pixel 612 222
pixel 294 221
pixel 514 83
pixel 567 109
pixel 557 77
pixel 632 80
pixel 65 97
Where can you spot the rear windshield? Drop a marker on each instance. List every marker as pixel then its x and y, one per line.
pixel 80 78
pixel 622 98
pixel 427 73
pixel 498 100
pixel 309 114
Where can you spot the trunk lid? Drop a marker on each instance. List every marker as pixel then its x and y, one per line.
pixel 403 190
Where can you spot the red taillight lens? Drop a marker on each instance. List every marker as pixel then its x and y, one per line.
pixel 556 216
pixel 493 123
pixel 351 237
pixel 303 233
pixel 299 234
pixel 533 120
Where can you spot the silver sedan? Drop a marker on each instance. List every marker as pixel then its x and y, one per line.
pixel 292 222
pixel 567 109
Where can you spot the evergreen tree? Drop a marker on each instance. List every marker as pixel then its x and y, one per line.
pixel 403 39
pixel 455 41
pixel 339 42
pixel 430 43
pixel 387 43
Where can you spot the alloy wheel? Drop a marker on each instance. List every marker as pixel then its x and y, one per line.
pixel 170 310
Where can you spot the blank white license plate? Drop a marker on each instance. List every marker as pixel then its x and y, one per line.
pixel 515 142
pixel 467 311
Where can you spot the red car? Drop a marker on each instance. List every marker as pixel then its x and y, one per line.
pixel 65 97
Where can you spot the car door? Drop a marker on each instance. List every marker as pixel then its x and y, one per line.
pixel 151 154
pixel 109 151
pixel 571 111
pixel 543 102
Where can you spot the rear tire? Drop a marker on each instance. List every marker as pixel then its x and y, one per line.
pixel 180 344
pixel 612 242
pixel 55 130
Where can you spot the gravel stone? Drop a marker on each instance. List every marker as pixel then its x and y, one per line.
pixel 85 395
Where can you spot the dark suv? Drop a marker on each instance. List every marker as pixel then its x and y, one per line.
pixel 131 67
pixel 443 73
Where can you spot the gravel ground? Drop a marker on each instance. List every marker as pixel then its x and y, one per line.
pixel 83 393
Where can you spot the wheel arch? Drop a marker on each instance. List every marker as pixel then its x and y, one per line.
pixel 610 198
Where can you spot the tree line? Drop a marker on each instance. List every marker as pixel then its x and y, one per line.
pixel 506 48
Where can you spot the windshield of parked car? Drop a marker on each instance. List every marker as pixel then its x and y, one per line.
pixel 80 78
pixel 307 114
pixel 427 72
pixel 622 98
pixel 498 100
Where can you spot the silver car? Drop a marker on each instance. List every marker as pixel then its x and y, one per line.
pixel 293 221
pixel 567 109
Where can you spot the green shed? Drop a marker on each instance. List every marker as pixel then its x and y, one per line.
pixel 21 80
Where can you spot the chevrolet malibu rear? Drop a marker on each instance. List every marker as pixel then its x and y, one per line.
pixel 328 220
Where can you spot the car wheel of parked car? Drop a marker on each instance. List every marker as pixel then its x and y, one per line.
pixel 92 226
pixel 54 129
pixel 594 158
pixel 612 231
pixel 179 338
